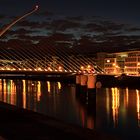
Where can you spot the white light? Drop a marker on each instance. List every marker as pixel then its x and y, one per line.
pixel 108 61
pixel 36 7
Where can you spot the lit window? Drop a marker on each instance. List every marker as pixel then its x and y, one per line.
pixel 108 61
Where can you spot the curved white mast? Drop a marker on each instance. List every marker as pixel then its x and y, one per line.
pixel 16 20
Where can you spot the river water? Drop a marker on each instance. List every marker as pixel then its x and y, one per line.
pixel 113 110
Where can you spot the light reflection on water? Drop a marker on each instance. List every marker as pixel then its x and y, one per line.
pixel 108 109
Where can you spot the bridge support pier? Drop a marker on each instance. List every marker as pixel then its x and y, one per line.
pixel 86 83
pixel 84 79
pixel 78 79
pixel 91 83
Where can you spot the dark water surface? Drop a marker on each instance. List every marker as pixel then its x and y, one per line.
pixel 113 110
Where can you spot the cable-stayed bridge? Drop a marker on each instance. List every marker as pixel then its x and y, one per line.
pixel 41 59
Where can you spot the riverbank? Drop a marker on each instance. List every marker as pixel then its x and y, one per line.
pixel 18 124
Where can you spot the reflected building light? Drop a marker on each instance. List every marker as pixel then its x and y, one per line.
pixel 126 98
pixel 8 91
pixel 4 89
pixel 11 86
pixel 24 93
pixel 59 85
pixel 138 106
pixel 38 90
pixel 13 93
pixel 49 86
pixel 115 105
pixel 1 89
pixel 107 103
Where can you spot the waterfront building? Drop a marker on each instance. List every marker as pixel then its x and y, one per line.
pixel 121 62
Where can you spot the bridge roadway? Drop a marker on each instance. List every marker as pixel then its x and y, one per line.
pixel 37 75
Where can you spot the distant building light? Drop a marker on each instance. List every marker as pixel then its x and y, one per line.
pixel 108 61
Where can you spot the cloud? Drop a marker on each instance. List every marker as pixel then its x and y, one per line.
pixel 20 31
pixel 46 13
pixel 64 24
pixel 30 24
pixel 87 33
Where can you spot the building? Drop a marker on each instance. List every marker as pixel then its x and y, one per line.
pixel 122 62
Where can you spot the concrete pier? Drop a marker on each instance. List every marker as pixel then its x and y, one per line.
pixel 84 79
pixel 78 79
pixel 91 83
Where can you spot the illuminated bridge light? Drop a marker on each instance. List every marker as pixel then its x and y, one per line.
pixel 49 69
pixel 56 70
pixel 19 69
pixel 60 70
pixel 8 69
pixel 84 71
pixel 66 71
pixel 89 66
pixel 79 71
pixel 39 69
pixel 24 69
pixel 35 69
pixel 82 67
pixel 46 70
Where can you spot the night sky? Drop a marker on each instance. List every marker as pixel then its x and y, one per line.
pixel 96 24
